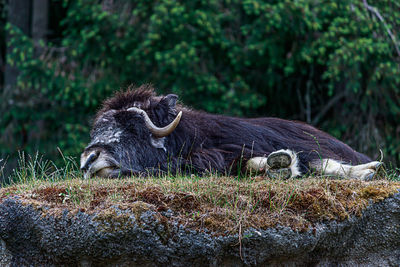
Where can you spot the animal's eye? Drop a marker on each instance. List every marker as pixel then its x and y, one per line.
pixel 137 116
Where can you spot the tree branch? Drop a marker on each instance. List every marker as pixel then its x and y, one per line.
pixel 375 11
pixel 327 107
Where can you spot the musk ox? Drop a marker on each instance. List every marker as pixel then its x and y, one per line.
pixel 138 132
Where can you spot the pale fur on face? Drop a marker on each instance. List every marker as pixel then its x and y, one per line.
pixel 102 165
pixel 109 136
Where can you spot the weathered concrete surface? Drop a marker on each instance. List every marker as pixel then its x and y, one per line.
pixel 28 237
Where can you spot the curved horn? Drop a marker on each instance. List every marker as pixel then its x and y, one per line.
pixel 157 131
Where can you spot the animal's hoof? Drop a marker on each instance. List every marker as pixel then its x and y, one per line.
pixel 379 165
pixel 370 177
pixel 284 173
pixel 279 160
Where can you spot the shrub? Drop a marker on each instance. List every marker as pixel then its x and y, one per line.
pixel 333 64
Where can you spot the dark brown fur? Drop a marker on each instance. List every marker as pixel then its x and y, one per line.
pixel 204 141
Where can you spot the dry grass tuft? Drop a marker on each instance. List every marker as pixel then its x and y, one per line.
pixel 220 204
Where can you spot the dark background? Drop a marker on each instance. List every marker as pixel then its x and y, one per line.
pixel 333 64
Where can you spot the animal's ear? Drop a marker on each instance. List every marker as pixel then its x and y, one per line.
pixel 166 108
pixel 169 101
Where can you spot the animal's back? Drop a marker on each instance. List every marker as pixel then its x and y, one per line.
pixel 307 139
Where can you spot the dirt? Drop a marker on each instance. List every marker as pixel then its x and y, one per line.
pixel 225 207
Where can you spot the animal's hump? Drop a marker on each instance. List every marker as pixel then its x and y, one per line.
pixel 132 96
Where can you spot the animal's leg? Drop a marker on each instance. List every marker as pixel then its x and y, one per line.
pixel 257 164
pixel 333 167
pixel 279 164
pixel 283 163
pixel 366 171
pixel 280 159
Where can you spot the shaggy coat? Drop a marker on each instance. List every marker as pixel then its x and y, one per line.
pixel 202 141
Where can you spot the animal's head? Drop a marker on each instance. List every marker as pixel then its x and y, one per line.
pixel 129 133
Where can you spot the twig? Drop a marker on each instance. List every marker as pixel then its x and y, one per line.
pixel 308 97
pixel 381 160
pixel 300 100
pixel 327 107
pixel 308 103
pixel 375 11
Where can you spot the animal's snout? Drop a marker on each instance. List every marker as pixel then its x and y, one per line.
pixel 98 161
pixel 85 165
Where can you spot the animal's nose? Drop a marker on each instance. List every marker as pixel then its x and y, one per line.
pixel 92 157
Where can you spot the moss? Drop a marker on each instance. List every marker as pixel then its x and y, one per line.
pixel 138 208
pixel 112 221
pixel 117 217
pixel 377 193
pixel 7 192
pixel 51 194
pixel 220 204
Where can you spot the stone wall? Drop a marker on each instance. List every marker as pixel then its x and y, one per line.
pixel 31 236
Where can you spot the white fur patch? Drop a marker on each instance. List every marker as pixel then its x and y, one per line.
pixel 260 163
pixel 257 163
pixel 158 142
pixel 101 165
pixel 324 166
pixel 294 166
pixel 107 137
pixel 336 168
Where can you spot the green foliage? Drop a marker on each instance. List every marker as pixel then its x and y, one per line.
pixel 331 63
pixel 2 39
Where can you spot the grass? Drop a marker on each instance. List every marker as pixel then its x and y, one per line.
pixel 220 204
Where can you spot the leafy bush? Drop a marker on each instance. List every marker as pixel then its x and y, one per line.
pixel 332 64
pixel 2 39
